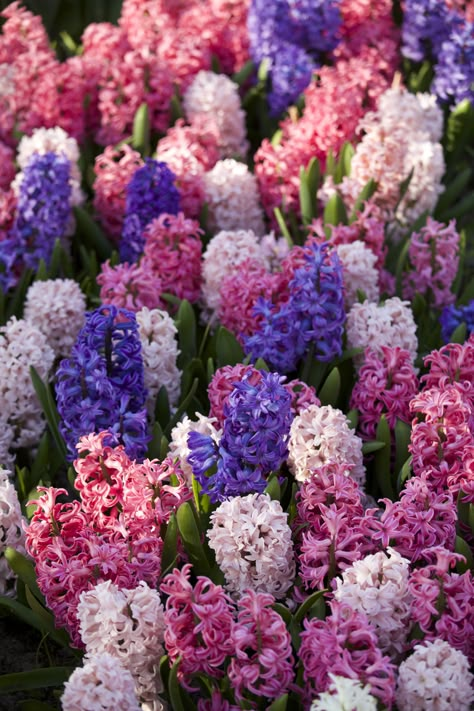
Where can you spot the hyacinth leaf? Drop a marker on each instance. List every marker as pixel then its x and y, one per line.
pixel 456 285
pixel 402 440
pixel 459 130
pixel 182 408
pixel 382 459
pixel 465 206
pixel 306 203
pixel 176 107
pixel 186 325
pixel 141 130
pixel 91 235
pixel 165 670
pixel 25 570
pixel 245 73
pixel 373 446
pixel 35 705
pixel 180 700
pixel 273 488
pixel 162 407
pixel 26 615
pixel 313 171
pixel 331 388
pixel 420 81
pixel 306 606
pixel 365 194
pixel 55 264
pixel 463 549
pixel 335 211
pixel 191 538
pixel 211 369
pixel 261 365
pixel 459 334
pixel 401 261
pixel 154 446
pixel 330 164
pixel 35 679
pixel 46 399
pixel 283 611
pixel 452 192
pixel 69 43
pixel 228 349
pixel 42 271
pixel 404 185
pixel 283 226
pixel 170 546
pixel 343 166
pixel 279 704
pixel 58 635
pixel 353 419
pixel 15 307
pixel 276 138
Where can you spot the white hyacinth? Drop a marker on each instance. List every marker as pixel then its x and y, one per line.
pixel 345 695
pixel 11 531
pixel 179 449
pixel 359 271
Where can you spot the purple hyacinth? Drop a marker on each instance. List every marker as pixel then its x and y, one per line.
pixel 453 316
pixel 43 214
pixel 454 73
pixel 426 25
pixel 254 441
pixel 101 386
pixel 293 36
pixel 150 192
pixel 313 316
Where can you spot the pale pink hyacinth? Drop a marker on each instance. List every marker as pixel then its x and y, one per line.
pixel 158 336
pixel 321 435
pixel 130 286
pixel 345 695
pixel 129 625
pixel 377 585
pixel 11 531
pixel 198 623
pixel 370 325
pixel 434 260
pixel 262 662
pixel 452 364
pixel 435 677
pixel 251 538
pixel 56 307
pixel 7 159
pixel 232 198
pixel 344 644
pixel 102 684
pixel 216 97
pixel 225 251
pixel 178 448
pixel 359 272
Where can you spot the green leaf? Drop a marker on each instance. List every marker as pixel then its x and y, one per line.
pixel 35 679
pixel 170 544
pixel 186 325
pixel 273 488
pixel 162 407
pixel 35 705
pixel 29 617
pixel 459 334
pixel 180 700
pixel 459 130
pixel 91 236
pixel 405 473
pixel 365 194
pixel 245 73
pixel 306 606
pixel 42 271
pixel 335 211
pixel 382 459
pixel 154 445
pixel 191 537
pixel 353 418
pixel 283 227
pixel 283 611
pixel 453 191
pixel 313 171
pixel 41 463
pixel 402 440
pixel 331 388
pixel 49 407
pixel 401 261
pixel 261 365
pixel 462 258
pixel 141 130
pixel 463 549
pixel 228 349
pixel 15 306
pixel 182 407
pixel 343 167
pixel 404 185
pixel 465 206
pixel 25 570
pixel 164 448
pixel 374 446
pixel 279 704
pixel 306 203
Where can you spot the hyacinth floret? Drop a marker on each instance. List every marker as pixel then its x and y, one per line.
pixel 454 73
pixel 150 192
pixel 453 316
pixel 426 25
pixel 257 420
pixel 101 386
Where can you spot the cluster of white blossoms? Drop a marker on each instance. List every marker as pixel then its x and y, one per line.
pixel 158 336
pixel 359 271
pixel 129 625
pixel 232 198
pixel 11 531
pixel 51 140
pixel 345 695
pixel 377 585
pixel 274 250
pixel 321 435
pixel 435 677
pixel 22 345
pixel 388 324
pixel 216 97
pixel 400 139
pixel 57 308
pixel 178 448
pixel 101 684
pixel 251 538
pixel 226 250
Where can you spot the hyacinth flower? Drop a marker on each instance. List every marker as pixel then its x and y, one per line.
pixel 43 214
pixel 454 73
pixel 150 192
pixel 254 441
pixel 453 316
pixel 292 37
pixel 312 318
pixel 101 386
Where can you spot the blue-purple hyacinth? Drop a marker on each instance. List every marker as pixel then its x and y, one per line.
pixel 454 73
pixel 313 316
pixel 150 193
pixel 254 441
pixel 101 386
pixel 453 316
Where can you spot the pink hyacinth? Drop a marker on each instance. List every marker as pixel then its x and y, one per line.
pixel 442 603
pixel 114 169
pixel 8 203
pixel 386 384
pixel 198 623
pixel 302 395
pixel 173 251
pixel 344 644
pixel 452 364
pixel 434 260
pixel 7 158
pixel 222 384
pixel 422 518
pixel 131 286
pixel 262 664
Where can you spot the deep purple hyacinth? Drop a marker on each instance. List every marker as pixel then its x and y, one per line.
pixel 293 36
pixel 453 316
pixel 426 25
pixel 150 193
pixel 454 73
pixel 254 441
pixel 43 214
pixel 101 386
pixel 313 316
